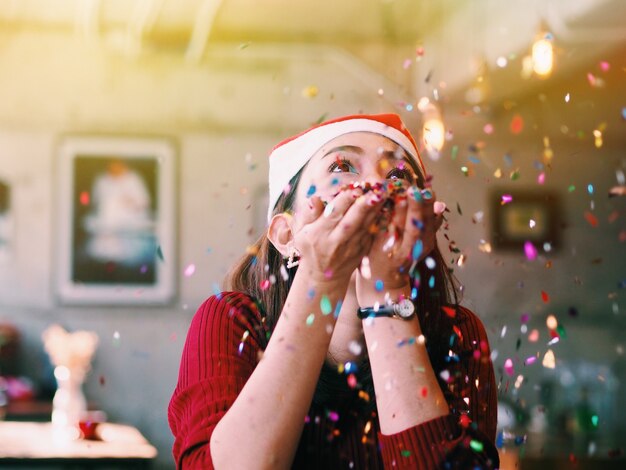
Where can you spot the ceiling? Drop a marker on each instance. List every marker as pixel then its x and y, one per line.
pixel 457 34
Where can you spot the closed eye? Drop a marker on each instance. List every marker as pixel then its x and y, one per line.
pixel 342 165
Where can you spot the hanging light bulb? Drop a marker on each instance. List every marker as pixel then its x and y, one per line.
pixel 433 131
pixel 543 53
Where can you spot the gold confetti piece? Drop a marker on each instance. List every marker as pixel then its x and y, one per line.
pixel 549 360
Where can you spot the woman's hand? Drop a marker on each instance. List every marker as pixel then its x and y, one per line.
pixel 333 239
pixel 410 237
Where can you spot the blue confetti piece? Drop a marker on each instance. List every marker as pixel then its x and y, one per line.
pixel 590 188
pixel 337 308
pixel 335 181
pixel 431 282
pixel 378 285
pixel 500 440
pixel 624 113
pixel 409 107
pixel 417 249
pixel 311 293
pixel 538 165
pixel 311 191
pixel 216 290
pixel 414 293
pixel 474 159
pixel 508 160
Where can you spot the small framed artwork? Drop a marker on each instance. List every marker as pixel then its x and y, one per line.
pixel 518 217
pixel 116 221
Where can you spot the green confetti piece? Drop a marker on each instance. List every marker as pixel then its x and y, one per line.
pixel 515 175
pixel 561 331
pixel 405 453
pixel 571 188
pixel 325 305
pixel 455 152
pixel 309 319
pixel 594 421
pixel 476 446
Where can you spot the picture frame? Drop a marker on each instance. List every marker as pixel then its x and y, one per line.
pixel 512 212
pixel 116 221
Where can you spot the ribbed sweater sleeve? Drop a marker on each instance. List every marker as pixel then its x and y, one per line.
pixel 217 360
pixel 464 438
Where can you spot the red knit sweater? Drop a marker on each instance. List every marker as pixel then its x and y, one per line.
pixel 216 364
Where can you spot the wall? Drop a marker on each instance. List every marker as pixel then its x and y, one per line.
pixel 224 115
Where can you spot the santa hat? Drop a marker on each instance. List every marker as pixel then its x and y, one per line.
pixel 289 156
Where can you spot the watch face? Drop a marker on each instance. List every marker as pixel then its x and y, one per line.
pixel 406 308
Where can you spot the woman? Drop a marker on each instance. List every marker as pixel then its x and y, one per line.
pixel 340 344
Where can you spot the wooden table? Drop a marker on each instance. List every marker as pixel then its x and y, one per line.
pixel 35 444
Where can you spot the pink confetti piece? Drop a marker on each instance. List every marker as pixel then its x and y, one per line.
pixel 541 178
pixel 506 198
pixel 508 367
pixel 530 251
pixel 530 360
pixel 189 270
pixel 533 337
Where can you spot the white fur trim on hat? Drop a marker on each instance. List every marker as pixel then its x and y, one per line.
pixel 289 158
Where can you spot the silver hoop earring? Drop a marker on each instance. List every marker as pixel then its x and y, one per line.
pixel 292 262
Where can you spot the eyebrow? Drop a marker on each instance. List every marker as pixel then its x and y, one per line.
pixel 359 151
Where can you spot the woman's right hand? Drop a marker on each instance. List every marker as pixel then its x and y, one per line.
pixel 333 239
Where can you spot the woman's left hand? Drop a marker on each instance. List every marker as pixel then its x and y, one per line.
pixel 410 237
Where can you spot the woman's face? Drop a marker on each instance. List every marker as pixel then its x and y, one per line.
pixel 351 158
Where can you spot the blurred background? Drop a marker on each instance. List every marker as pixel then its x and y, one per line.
pixel 520 108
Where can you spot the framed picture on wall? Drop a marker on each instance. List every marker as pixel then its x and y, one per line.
pixel 116 221
pixel 521 216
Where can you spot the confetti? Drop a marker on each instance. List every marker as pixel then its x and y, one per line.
pixel 541 178
pixel 84 198
pixel 545 297
pixel 533 337
pixel 352 382
pixel 530 251
pixel 379 285
pixel 310 91
pixel 476 446
pixel 418 248
pixel 325 305
pixel 310 319
pixel 311 191
pixel 517 124
pixel 451 312
pixel 508 367
pixel 551 322
pixel 591 219
pixel 189 270
pixel 549 361
pixel 506 198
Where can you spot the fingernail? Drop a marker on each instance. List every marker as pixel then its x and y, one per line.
pixel 439 207
pixel 427 194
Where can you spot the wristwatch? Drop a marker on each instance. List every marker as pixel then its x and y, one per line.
pixel 404 309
